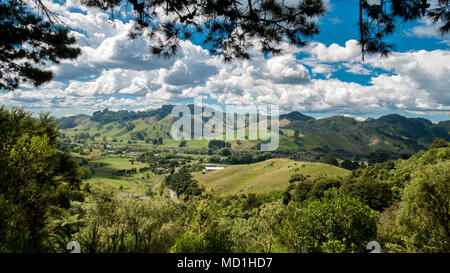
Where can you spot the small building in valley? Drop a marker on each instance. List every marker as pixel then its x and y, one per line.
pixel 209 169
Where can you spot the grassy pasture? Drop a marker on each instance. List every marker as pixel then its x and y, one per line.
pixel 104 175
pixel 262 177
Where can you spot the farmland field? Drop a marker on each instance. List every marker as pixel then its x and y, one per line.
pixel 105 175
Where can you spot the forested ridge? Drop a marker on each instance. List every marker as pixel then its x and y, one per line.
pixel 340 136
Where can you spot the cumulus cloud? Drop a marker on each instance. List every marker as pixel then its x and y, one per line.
pixel 412 80
pixel 421 71
pixel 357 68
pixel 325 69
pixel 283 69
pixel 334 52
pixel 182 73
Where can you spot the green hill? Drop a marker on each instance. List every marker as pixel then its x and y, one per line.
pixel 345 136
pixel 444 125
pixel 339 135
pixel 293 116
pixel 262 177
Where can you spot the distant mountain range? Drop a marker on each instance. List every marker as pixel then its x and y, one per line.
pixel 391 133
pixel 338 135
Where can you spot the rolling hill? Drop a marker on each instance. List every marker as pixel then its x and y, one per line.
pixel 339 135
pixel 263 177
pixel 342 135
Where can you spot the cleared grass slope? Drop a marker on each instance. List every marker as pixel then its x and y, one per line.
pixel 263 177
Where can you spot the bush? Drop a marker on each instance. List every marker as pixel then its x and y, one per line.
pixel 85 172
pixel 297 177
pixel 336 223
pixel 424 211
pixel 329 159
pixel 189 243
pixel 439 143
pixel 321 185
pixel 251 202
pixel 349 165
pixel 215 159
pixel 302 190
pixel 377 195
pixel 225 152
pixel 218 144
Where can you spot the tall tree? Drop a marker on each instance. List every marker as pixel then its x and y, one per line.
pixel 228 27
pixel 30 41
pixel 34 178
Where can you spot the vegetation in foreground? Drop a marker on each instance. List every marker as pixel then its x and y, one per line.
pixel 403 204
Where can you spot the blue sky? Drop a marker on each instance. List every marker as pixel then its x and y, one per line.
pixel 325 78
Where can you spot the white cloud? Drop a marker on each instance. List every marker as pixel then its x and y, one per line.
pixel 283 69
pixel 334 52
pixel 325 69
pixel 335 20
pixel 421 71
pixel 445 42
pixel 357 68
pixel 425 31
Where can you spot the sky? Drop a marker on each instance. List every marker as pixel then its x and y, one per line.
pixel 327 77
